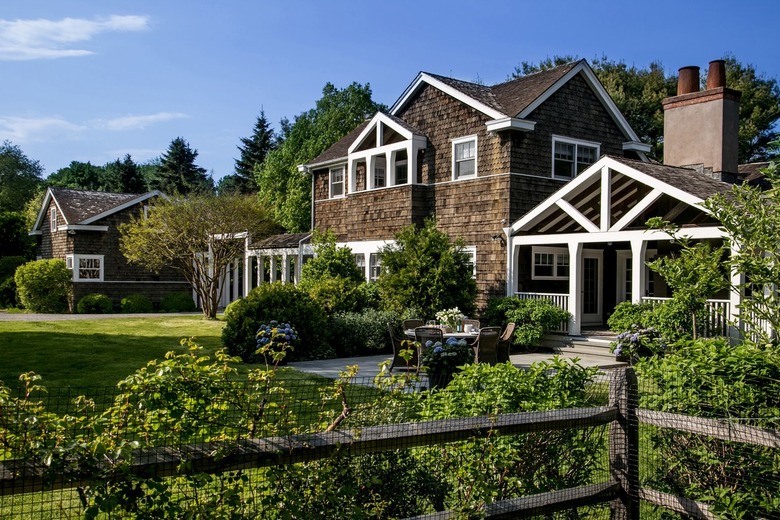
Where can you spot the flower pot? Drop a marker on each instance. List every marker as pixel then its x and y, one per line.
pixel 623 358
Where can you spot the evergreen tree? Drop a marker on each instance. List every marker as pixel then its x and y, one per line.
pixel 178 172
pixel 253 152
pixel 124 176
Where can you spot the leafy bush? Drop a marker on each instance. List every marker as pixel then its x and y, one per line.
pixel 136 303
pixel 95 303
pixel 534 318
pixel 284 303
pixel 627 314
pixel 8 265
pixel 178 302
pixel 44 285
pixel 361 333
pixel 712 378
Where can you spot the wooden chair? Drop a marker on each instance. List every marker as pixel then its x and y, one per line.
pixel 412 324
pixel 398 361
pixel 486 346
pixel 505 343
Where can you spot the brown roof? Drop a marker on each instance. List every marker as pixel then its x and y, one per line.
pixel 690 181
pixel 751 172
pixel 283 241
pixel 340 148
pixel 481 93
pixel 78 206
pixel 517 94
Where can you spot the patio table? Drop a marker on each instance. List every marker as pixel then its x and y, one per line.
pixel 470 337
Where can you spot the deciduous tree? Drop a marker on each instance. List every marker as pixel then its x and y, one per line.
pixel 199 235
pixel 20 177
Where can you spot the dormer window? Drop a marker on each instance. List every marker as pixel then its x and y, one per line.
pixel 337 182
pixel 53 220
pixel 464 157
pixel 380 169
pixel 571 156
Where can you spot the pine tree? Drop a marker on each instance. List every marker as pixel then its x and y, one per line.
pixel 253 152
pixel 124 176
pixel 178 172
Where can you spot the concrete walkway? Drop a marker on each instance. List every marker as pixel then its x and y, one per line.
pixel 369 365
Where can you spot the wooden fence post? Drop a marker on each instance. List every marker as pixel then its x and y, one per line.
pixel 624 443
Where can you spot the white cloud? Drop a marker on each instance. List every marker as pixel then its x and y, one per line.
pixel 40 39
pixel 138 122
pixel 28 129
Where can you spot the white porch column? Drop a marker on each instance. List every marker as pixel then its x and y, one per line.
pixel 285 268
pixel 272 274
pixel 259 274
pixel 511 256
pixel 575 288
pixel 735 298
pixel 236 266
pixel 247 273
pixel 411 161
pixel 638 275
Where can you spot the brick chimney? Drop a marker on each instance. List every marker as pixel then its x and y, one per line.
pixel 701 127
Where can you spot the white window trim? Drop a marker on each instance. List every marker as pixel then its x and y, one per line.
pixel 343 169
pixel 72 263
pixel 461 140
pixel 576 143
pixel 376 264
pixel 472 252
pixel 556 252
pixel 375 161
pixel 53 220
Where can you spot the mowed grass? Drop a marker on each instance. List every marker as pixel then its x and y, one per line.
pixel 99 352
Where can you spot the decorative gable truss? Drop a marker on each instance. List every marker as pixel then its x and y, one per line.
pixel 385 152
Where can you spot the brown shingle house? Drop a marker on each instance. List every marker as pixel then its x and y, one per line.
pixel 81 227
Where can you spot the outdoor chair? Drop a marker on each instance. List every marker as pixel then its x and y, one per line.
pixel 425 334
pixel 486 346
pixel 398 361
pixel 505 343
pixel 469 321
pixel 412 324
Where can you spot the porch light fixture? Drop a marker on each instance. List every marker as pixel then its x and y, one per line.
pixel 498 238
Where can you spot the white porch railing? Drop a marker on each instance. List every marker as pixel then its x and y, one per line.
pixel 558 299
pixel 718 313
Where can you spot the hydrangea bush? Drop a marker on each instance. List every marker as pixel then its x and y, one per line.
pixel 446 357
pixel 637 342
pixel 274 339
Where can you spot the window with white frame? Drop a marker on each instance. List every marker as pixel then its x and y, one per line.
pixel 550 264
pixel 375 266
pixel 401 168
pixel 380 169
pixel 53 220
pixel 360 262
pixel 337 182
pixel 86 268
pixel 571 157
pixel 464 157
pixel 471 251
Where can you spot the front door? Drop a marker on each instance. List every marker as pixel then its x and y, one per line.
pixel 592 288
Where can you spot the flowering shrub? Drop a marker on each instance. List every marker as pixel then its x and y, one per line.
pixel 637 342
pixel 450 317
pixel 442 358
pixel 275 339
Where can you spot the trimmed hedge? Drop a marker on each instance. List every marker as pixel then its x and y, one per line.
pixel 362 333
pixel 136 303
pixel 284 303
pixel 95 303
pixel 44 285
pixel 178 302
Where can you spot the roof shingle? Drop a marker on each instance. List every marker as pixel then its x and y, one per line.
pixel 78 206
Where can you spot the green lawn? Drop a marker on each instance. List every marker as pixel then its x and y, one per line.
pixel 96 352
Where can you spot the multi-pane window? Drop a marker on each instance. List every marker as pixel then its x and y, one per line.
pixel 375 266
pixel 360 262
pixel 337 182
pixel 550 264
pixel 53 220
pixel 570 158
pixel 380 167
pixel 464 153
pixel 401 168
pixel 471 251
pixel 86 268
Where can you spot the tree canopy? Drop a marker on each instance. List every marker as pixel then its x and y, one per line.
pixel 199 235
pixel 118 176
pixel 178 173
pixel 424 272
pixel 253 152
pixel 20 177
pixel 638 93
pixel 287 192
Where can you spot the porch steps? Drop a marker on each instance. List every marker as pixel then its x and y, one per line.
pixel 587 344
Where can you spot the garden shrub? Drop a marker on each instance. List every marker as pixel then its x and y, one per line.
pixel 713 378
pixel 178 302
pixel 627 314
pixel 8 265
pixel 361 333
pixel 534 318
pixel 284 303
pixel 44 285
pixel 95 303
pixel 136 303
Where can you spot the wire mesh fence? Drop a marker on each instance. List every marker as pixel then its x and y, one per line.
pixel 496 443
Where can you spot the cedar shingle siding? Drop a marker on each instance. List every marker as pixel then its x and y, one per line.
pixel 514 168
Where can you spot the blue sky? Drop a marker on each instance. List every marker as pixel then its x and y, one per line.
pixel 93 80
